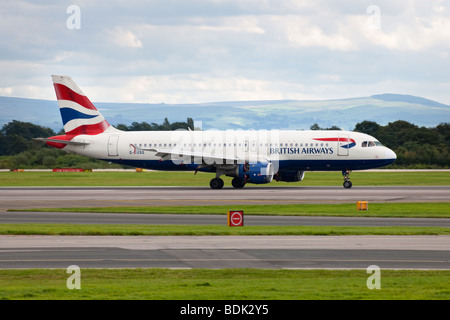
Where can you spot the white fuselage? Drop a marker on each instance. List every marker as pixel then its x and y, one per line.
pixel 287 149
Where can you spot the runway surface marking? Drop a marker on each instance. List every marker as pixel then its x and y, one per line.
pixel 441 242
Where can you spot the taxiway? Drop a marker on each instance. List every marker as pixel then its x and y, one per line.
pixel 271 252
pixel 33 197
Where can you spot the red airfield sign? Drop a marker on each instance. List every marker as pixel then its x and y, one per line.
pixel 235 218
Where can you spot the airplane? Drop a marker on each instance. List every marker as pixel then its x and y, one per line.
pixel 249 156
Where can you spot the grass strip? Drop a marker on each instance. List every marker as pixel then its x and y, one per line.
pixel 410 210
pixel 206 230
pixel 224 284
pixel 165 178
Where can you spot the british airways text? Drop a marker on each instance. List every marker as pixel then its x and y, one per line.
pixel 300 150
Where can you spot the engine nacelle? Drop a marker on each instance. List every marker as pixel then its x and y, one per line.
pixel 290 176
pixel 258 173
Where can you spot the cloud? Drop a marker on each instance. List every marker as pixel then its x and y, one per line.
pixel 125 38
pixel 195 51
pixel 302 32
pixel 240 24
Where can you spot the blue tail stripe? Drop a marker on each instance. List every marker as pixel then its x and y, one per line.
pixel 348 146
pixel 69 114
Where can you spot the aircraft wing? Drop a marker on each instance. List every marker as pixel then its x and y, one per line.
pixel 206 158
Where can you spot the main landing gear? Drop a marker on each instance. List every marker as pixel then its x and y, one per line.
pixel 347 182
pixel 217 183
pixel 237 183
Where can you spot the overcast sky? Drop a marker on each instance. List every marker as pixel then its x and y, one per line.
pixel 192 51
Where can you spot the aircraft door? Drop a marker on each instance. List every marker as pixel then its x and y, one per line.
pixel 113 146
pixel 343 146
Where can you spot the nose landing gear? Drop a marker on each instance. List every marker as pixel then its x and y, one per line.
pixel 347 183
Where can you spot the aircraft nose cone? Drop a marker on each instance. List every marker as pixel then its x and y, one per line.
pixel 389 154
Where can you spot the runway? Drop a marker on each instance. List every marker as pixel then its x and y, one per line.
pixel 214 252
pixel 272 252
pixel 34 197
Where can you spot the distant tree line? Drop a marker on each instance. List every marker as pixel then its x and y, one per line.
pixel 165 126
pixel 416 147
pixel 18 150
pixel 315 126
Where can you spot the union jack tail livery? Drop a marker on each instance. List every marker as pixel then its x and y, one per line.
pixel 78 114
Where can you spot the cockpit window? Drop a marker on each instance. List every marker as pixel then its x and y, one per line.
pixel 371 144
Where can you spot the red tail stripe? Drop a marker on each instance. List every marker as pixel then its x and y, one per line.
pixel 65 93
pixel 90 129
pixel 335 139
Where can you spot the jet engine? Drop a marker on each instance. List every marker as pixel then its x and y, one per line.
pixel 290 176
pixel 258 173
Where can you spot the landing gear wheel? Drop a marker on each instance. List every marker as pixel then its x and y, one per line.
pixel 237 183
pixel 347 182
pixel 216 183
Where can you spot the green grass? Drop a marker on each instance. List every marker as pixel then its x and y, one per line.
pixel 226 284
pixel 206 230
pixel 411 210
pixel 435 210
pixel 162 178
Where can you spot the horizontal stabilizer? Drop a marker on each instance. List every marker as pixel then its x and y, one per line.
pixel 67 142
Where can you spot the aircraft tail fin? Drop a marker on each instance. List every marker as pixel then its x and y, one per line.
pixel 79 115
